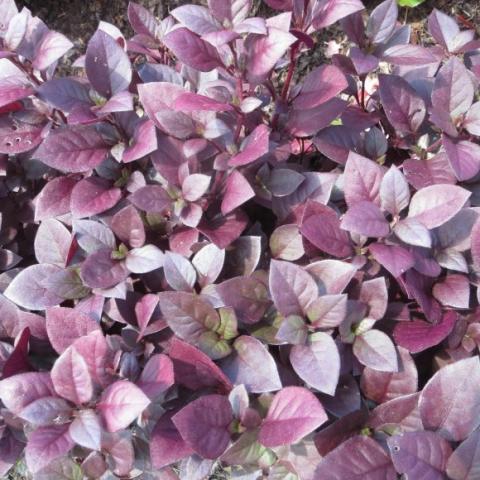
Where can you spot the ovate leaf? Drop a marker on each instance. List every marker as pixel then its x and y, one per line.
pixel 294 413
pixel 450 402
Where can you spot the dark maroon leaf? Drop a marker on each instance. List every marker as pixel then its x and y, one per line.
pixel 204 425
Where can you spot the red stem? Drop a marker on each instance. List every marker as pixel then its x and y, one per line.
pixel 291 70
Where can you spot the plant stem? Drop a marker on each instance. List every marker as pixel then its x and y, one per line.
pixel 291 70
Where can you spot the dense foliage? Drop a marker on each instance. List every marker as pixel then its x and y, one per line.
pixel 206 264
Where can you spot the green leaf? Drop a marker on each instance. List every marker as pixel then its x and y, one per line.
pixel 410 3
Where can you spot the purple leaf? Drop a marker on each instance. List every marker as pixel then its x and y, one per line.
pixel 362 180
pixel 286 243
pixel 375 350
pixel 128 226
pixel 418 335
pixel 73 149
pixel 254 147
pixel 64 93
pixel 144 142
pixel 323 230
pixel 395 259
pixel 317 187
pixel 237 192
pixel 463 462
pixel 404 108
pixel 433 206
pixel 192 50
pixel 305 123
pixel 453 291
pixel 141 20
pixel 394 191
pixel 462 157
pixel 384 386
pixel 412 232
pixel 320 86
pixel 19 391
pixel 443 29
pixel 188 315
pixel 46 444
pixel 252 365
pixel 292 289
pixel 98 356
pixel 92 235
pixel 472 119
pixel 328 12
pixel 358 457
pixel 157 376
pixel 166 444
pixel 264 51
pixel 54 199
pixel 328 311
pixel 294 413
pixel 107 65
pixel 453 90
pixel 86 430
pixel 422 173
pixel 196 18
pixel 450 401
pixel 71 378
pixel 179 272
pixel 374 294
pixel 204 425
pixel 248 297
pixel 318 362
pixel 120 452
pixel 194 186
pixel 401 412
pixel 99 270
pixel 420 454
pixel 235 11
pixel 410 55
pixel 293 330
pixel 192 102
pixel 151 199
pixel 144 259
pixel 382 22
pixel 12 89
pixel 332 276
pixel 282 181
pixel 52 242
pixel 121 403
pixel 208 263
pixel 52 47
pixel 46 411
pixel 194 369
pixel 92 196
pixel 365 218
pixel 27 288
pixel 335 142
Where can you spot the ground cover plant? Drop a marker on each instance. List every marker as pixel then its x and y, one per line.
pixel 212 263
